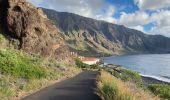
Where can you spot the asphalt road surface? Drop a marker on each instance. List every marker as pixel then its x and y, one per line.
pixel 80 87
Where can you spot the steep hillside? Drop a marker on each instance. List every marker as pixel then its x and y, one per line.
pixel 27 28
pixel 33 54
pixel 90 37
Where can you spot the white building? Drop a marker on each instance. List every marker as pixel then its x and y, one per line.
pixel 89 60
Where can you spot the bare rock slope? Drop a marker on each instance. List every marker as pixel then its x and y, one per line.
pixel 31 27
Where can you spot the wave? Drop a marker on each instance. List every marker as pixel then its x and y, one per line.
pixel 164 79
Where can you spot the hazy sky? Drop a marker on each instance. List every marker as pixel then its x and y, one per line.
pixel 149 16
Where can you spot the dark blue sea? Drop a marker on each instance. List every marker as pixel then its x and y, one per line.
pixel 150 65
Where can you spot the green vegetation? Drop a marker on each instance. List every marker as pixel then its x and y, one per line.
pixel 125 75
pixel 4 42
pixel 80 64
pixel 112 88
pixel 5 91
pixel 161 90
pixel 86 48
pixel 2 38
pixel 24 73
pixel 18 64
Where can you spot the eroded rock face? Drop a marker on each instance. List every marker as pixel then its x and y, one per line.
pixel 89 36
pixel 32 28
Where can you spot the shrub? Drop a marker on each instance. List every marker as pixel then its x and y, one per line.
pixel 24 73
pixel 94 66
pixel 125 75
pixel 80 64
pixel 109 91
pixel 111 88
pixel 19 64
pixel 5 90
pixel 2 38
pixel 161 90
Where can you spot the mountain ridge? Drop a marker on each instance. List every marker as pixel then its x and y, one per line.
pixel 84 34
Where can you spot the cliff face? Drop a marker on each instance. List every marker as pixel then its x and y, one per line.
pixel 34 31
pixel 84 34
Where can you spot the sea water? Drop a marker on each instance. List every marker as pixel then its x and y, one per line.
pixel 150 65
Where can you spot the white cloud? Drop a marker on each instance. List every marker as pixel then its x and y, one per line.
pixel 108 15
pixel 98 9
pixel 137 20
pixel 134 19
pixel 139 27
pixel 152 4
pixel 101 10
pixel 162 19
pixel 164 30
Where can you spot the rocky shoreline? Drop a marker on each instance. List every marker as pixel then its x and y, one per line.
pixel 148 80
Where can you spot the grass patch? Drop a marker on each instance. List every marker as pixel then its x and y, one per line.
pixel 5 91
pixel 2 38
pixel 125 75
pixel 161 90
pixel 24 73
pixel 19 64
pixel 80 64
pixel 111 88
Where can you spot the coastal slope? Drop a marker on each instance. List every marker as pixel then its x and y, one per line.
pixel 92 37
pixel 27 28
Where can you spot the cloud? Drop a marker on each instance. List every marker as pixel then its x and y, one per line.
pixel 98 9
pixel 152 4
pixel 134 19
pixel 139 27
pixel 162 23
pixel 108 15
pixel 137 20
pixel 101 10
pixel 165 30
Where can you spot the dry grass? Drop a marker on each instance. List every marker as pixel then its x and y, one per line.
pixel 12 88
pixel 111 88
pixel 21 73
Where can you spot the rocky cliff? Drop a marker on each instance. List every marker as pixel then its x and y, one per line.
pixel 32 29
pixel 29 29
pixel 88 36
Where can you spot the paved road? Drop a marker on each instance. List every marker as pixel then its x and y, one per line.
pixel 80 87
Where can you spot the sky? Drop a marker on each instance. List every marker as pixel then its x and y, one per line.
pixel 148 16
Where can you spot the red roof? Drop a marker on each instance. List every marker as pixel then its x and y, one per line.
pixel 88 59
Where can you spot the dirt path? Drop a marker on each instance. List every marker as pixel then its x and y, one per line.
pixel 80 87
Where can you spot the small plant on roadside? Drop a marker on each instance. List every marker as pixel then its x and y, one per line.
pixel 111 88
pixel 161 90
pixel 80 64
pixel 23 73
pixel 19 64
pixel 2 38
pixel 94 66
pixel 125 75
